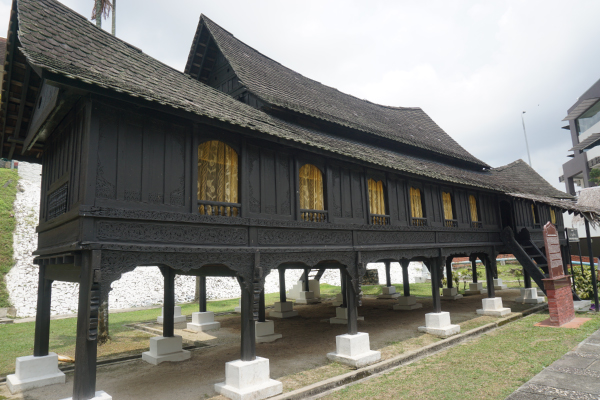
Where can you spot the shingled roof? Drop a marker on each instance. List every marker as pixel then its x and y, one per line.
pixel 55 38
pixel 280 86
pixel 2 51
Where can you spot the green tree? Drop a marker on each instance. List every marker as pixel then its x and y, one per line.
pixel 102 9
pixel 595 176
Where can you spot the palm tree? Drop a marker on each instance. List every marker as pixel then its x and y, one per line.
pixel 102 9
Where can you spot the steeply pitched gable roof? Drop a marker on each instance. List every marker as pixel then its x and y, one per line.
pixel 280 86
pixel 55 38
pixel 2 51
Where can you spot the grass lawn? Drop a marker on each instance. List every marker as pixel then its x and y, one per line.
pixel 8 192
pixel 489 367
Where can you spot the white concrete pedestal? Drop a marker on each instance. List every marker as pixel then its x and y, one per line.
pixel 450 294
pixel 438 324
pixel 248 380
pixel 33 372
pixel 354 350
pixel 388 292
pixel 238 309
pixel 341 316
pixel 307 298
pixel 529 296
pixel 265 332
pixel 407 303
pixel 203 322
pixel 339 300
pixel 99 395
pixel 283 310
pixel 493 307
pixel 498 285
pixel 177 317
pixel 165 349
pixel 476 288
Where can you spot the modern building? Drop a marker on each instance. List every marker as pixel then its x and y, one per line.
pixel 584 125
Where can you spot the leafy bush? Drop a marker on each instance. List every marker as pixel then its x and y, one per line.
pixel 583 283
pixel 518 273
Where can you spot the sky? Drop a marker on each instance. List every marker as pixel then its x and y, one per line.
pixel 472 66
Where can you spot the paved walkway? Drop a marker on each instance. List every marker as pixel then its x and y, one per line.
pixel 575 376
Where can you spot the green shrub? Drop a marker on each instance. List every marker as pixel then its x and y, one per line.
pixel 583 283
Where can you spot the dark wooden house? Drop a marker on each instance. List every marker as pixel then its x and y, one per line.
pixel 236 167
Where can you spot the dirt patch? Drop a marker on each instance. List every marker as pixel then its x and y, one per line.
pixel 298 359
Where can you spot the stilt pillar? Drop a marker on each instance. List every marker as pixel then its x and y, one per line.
pixel 168 347
pixel 388 291
pixel 41 369
pixel 282 295
pixel 475 287
pixel 354 348
pixel 450 292
pixel 203 321
pixel 202 298
pixel 406 302
pixel 492 306
pixel 437 322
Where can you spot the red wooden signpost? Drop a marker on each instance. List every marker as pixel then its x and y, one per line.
pixel 558 285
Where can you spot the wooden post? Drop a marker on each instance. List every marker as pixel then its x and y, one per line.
pixel 84 380
pixel 388 275
pixel 592 269
pixel 449 271
pixel 405 278
pixel 282 294
pixel 42 315
pixel 580 259
pixel 526 279
pixel 169 302
pixel 344 288
pixel 352 311
pixel 261 306
pixel 305 285
pixel 435 284
pixel 489 277
pixel 474 268
pixel 202 297
pixel 248 345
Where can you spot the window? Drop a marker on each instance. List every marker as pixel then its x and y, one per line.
pixel 449 220
pixel 553 216
pixel 311 194
pixel 416 208
pixel 536 218
pixel 475 222
pixel 217 179
pixel 588 118
pixel 377 203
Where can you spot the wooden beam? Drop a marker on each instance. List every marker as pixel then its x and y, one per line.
pixel 24 90
pixel 12 39
pixel 204 57
pixel 42 315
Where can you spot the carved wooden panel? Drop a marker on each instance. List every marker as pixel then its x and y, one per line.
pixel 106 168
pixel 372 237
pixel 462 237
pixel 153 171
pixel 302 237
pixel 253 155
pixel 130 140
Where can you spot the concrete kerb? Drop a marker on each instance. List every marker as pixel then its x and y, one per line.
pixel 400 360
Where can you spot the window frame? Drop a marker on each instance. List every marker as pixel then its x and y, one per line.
pixel 315 215
pixel 449 223
pixel 424 219
pixel 475 224
pixel 381 219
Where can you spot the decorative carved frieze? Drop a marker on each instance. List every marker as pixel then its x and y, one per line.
pixel 303 237
pixel 395 237
pixel 462 237
pixel 114 230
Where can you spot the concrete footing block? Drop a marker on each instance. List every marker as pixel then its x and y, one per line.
pixel 283 310
pixel 165 349
pixel 438 324
pixel 248 380
pixel 354 350
pixel 99 395
pixel 450 294
pixel 238 309
pixel 407 303
pixel 388 292
pixel 529 296
pixel 265 332
pixel 498 285
pixel 341 316
pixel 582 306
pixel 177 318
pixel 493 307
pixel 339 300
pixel 34 372
pixel 307 298
pixel 203 322
pixel 475 288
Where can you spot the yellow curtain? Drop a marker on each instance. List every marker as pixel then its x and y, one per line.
pixel 416 207
pixel 473 206
pixel 217 173
pixel 533 213
pixel 447 199
pixel 376 197
pixel 553 216
pixel 311 188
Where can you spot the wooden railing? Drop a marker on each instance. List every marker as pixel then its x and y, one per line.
pixel 476 224
pixel 451 223
pixel 218 208
pixel 378 219
pixel 419 221
pixel 313 215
